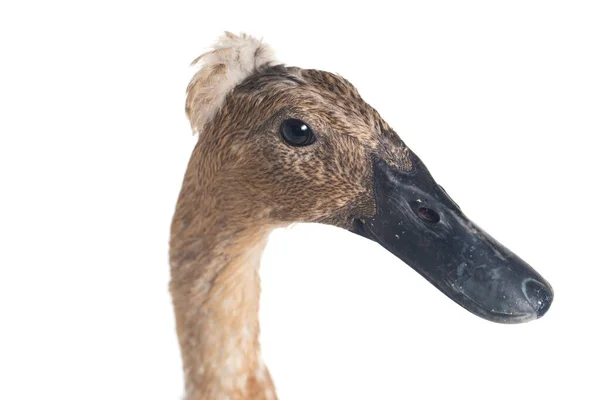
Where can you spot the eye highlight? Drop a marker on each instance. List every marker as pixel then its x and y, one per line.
pixel 296 132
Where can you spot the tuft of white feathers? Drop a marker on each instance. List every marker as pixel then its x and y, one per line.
pixel 231 60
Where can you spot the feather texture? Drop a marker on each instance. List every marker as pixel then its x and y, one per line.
pixel 232 59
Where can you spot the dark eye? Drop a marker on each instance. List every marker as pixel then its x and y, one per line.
pixel 428 215
pixel 296 132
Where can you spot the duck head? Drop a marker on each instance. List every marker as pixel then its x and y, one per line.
pixel 282 144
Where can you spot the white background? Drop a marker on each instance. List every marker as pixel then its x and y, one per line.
pixel 500 99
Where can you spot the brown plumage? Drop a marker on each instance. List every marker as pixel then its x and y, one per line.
pixel 243 181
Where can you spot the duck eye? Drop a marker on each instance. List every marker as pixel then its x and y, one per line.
pixel 296 132
pixel 428 215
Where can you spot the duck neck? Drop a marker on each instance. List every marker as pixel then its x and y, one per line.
pixel 215 288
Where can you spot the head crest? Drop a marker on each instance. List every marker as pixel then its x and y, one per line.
pixel 232 59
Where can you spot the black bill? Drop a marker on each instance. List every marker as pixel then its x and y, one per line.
pixel 418 222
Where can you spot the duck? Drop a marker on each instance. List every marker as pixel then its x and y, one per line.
pixel 279 145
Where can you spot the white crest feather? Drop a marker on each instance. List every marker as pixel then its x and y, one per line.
pixel 232 59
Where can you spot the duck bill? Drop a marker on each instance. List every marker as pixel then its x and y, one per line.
pixel 419 223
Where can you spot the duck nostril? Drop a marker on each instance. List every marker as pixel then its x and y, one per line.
pixel 428 215
pixel 539 296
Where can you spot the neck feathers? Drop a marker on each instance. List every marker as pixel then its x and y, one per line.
pixel 216 288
